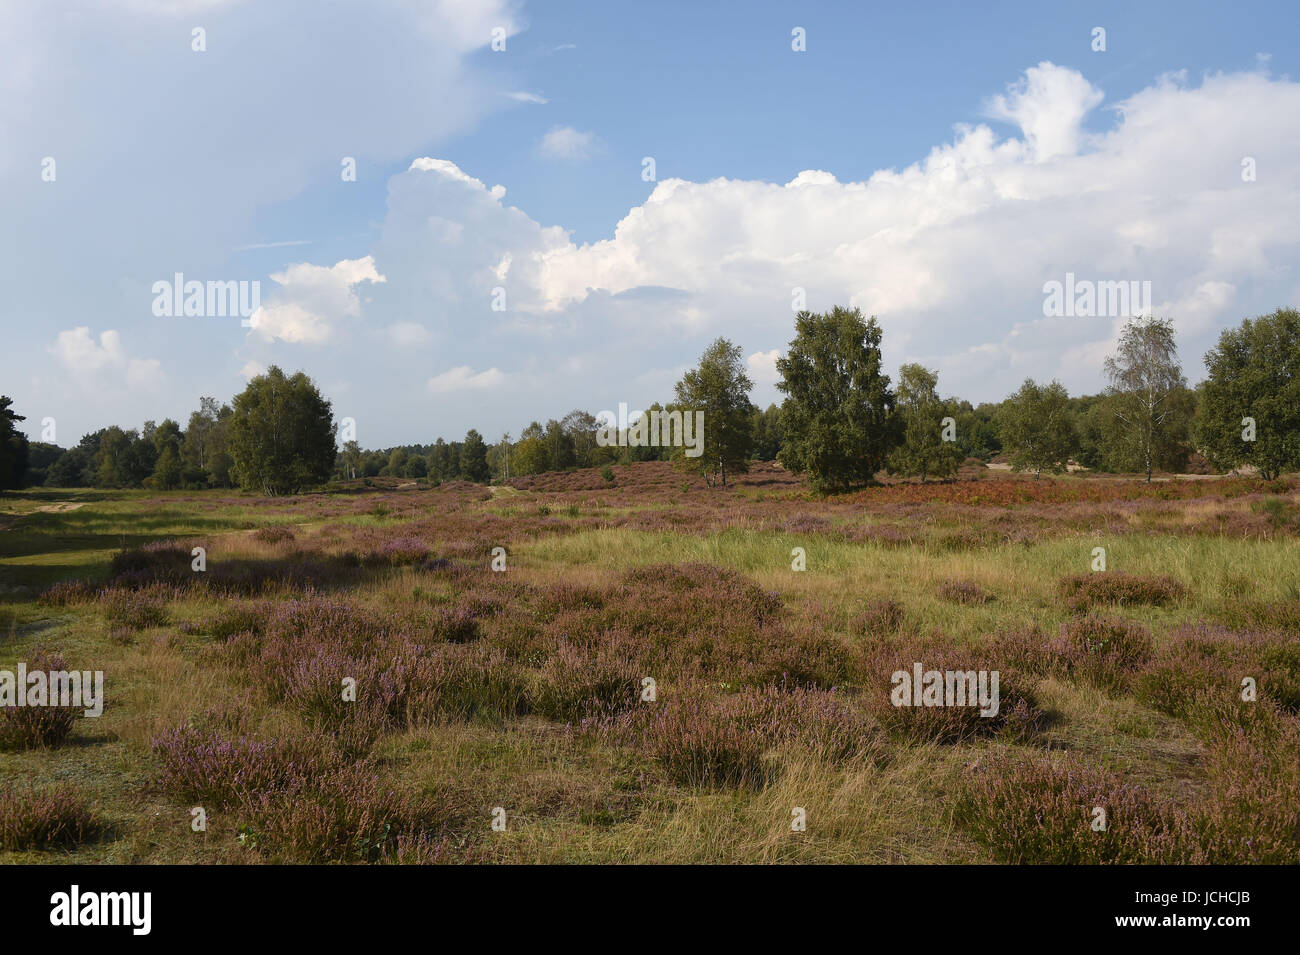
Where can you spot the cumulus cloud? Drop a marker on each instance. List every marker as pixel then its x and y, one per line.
pixel 408 334
pixel 312 299
pixel 105 361
pixel 761 367
pixel 464 378
pixel 565 142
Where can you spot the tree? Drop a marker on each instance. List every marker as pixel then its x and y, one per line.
pixel 281 434
pixel 1250 404
pixel 168 466
pixel 767 433
pixel 13 447
pixel 838 412
pixel 720 388
pixel 473 458
pixel 1037 427
pixel 924 450
pixel 1145 382
pixel 581 427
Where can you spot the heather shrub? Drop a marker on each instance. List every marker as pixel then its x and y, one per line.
pixel 1084 591
pixel 400 552
pixel 1018 716
pixel 221 769
pixel 38 727
pixel 1198 673
pixel 1031 811
pixel 456 625
pixel 879 618
pixel 1105 651
pixel 164 562
pixel 46 817
pixel 134 609
pixel 574 685
pixel 465 682
pixel 278 534
pixel 66 593
pixel 714 741
pixel 348 816
pixel 1252 813
pixel 696 744
pixel 964 592
pixel 240 618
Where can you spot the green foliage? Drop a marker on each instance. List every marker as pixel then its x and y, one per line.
pixel 281 434
pixel 838 413
pixel 473 458
pixel 923 451
pixel 720 388
pixel 1037 428
pixel 1254 373
pixel 767 433
pixel 13 447
pixel 1148 398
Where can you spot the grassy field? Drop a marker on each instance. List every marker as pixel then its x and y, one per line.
pixel 523 689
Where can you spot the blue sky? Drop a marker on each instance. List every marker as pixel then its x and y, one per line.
pixel 932 163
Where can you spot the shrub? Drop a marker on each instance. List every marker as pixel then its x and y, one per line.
pixel 879 618
pixel 964 592
pixel 32 727
pixel 1084 591
pixel 574 685
pixel 46 817
pixel 134 609
pixel 277 534
pixel 1029 810
pixel 67 593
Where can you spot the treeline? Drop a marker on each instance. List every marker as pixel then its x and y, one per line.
pixel 842 421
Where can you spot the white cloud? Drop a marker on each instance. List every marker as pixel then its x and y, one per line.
pixel 565 142
pixel 522 96
pixel 762 368
pixel 252 369
pixel 464 378
pixel 312 299
pixel 408 334
pixel 105 361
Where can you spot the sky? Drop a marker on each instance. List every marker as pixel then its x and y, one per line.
pixel 480 214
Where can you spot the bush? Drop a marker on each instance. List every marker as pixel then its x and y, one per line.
pixel 46 817
pixel 1084 591
pixel 1031 811
pixel 32 727
pixel 134 609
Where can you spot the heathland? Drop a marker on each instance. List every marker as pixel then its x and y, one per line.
pixel 510 686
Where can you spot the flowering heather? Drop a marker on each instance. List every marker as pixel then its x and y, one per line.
pixel 1029 810
pixel 38 727
pixel 1084 591
pixel 400 551
pixel 46 817
pixel 878 618
pixel 574 685
pixel 67 593
pixel 703 740
pixel 276 534
pixel 134 609
pixel 222 770
pixel 964 592
pixel 1106 651
pixel 165 561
